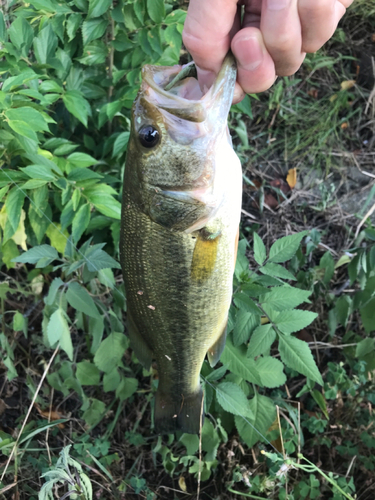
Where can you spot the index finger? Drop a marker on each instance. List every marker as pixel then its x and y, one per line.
pixel 207 34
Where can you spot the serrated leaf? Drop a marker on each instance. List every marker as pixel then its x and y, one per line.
pixel 87 373
pixel 45 44
pixel 93 29
pixel 3 29
pixel 111 380
pixel 110 352
pixel 232 399
pixel 235 359
pixel 284 248
pixel 21 35
pixel 120 144
pixel 98 7
pixel 244 325
pixel 31 116
pixel 126 388
pixel 297 355
pixel 260 253
pixel 40 172
pixel 73 23
pixel 261 340
pixel 58 331
pixel 271 269
pixel 264 414
pixel 285 298
pixel 77 105
pixel 79 298
pixel 52 292
pixel 270 371
pixel 293 321
pixel 13 204
pixel 35 254
pixel 95 412
pixel 81 221
pixel 23 128
pixel 99 259
pixel 156 10
pixel 244 302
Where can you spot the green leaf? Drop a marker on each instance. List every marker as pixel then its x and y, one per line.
pixel 93 29
pixel 58 331
pixel 270 371
pixel 271 269
pixel 243 302
pixel 29 115
pixel 365 347
pixel 107 206
pixel 13 204
pixel 3 29
pixel 77 105
pixel 264 414
pixel 96 330
pixel 321 402
pixel 73 23
pixel 259 249
pixel 121 143
pixel 156 10
pixel 284 248
pixel 94 413
pixel 368 316
pixel 45 45
pixel 232 399
pixel 81 221
pixel 19 322
pixel 99 259
pixel 15 81
pixel 110 352
pixel 79 298
pixel 235 359
pixel 297 355
pixel 82 160
pixel 23 128
pixel 261 340
pixel 43 172
pixel 98 7
pixel 293 321
pixel 285 298
pixel 245 324
pixel 111 380
pixel 39 221
pixel 52 292
pixel 87 373
pixel 35 254
pixel 94 53
pixel 21 35
pixel 126 388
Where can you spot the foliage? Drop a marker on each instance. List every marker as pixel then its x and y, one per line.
pixel 70 72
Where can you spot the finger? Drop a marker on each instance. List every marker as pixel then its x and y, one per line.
pixel 207 34
pixel 255 67
pixel 319 19
pixel 281 30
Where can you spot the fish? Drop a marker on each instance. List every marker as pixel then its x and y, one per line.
pixel 181 208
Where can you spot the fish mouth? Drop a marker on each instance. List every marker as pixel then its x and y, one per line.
pixel 185 100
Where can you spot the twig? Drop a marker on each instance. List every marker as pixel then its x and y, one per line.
pixel 29 411
pixel 365 217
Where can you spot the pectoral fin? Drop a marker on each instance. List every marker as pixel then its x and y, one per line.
pixel 204 255
pixel 216 350
pixel 138 344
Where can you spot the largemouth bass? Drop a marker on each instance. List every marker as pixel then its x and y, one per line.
pixel 180 217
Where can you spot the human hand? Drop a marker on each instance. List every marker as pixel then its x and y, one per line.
pixel 271 41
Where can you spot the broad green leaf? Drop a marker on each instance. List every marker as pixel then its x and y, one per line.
pixel 130 18
pixel 73 23
pixel 297 355
pixel 95 412
pixel 15 81
pixel 50 86
pixel 29 115
pixel 36 254
pixel 293 321
pixel 261 340
pixel 19 322
pixel 259 249
pixel 57 236
pixel 13 204
pixel 82 160
pixel 45 44
pixel 81 221
pixel 245 324
pixel 23 128
pixel 39 221
pixel 285 297
pixel 21 35
pixel 98 7
pixel 156 10
pixel 244 302
pixel 94 53
pixel 87 373
pixel 93 29
pixel 51 6
pixel 368 316
pixel 79 298
pixel 255 428
pixel 110 352
pixel 284 248
pixel 108 206
pixel 52 292
pixel 321 402
pixel 343 309
pixel 40 172
pixel 111 380
pixel 126 388
pixel 232 399
pixel 270 371
pixel 3 29
pixel 120 144
pixel 96 330
pixel 58 331
pixel 173 38
pixel 99 259
pixel 235 359
pixel 271 269
pixel 364 347
pixel 77 105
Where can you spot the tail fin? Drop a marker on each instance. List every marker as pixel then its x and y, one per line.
pixel 182 412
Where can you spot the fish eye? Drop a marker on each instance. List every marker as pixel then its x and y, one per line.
pixel 149 136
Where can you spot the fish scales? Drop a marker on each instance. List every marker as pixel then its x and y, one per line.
pixel 180 215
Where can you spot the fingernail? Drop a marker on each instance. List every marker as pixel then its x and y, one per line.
pixel 277 4
pixel 205 78
pixel 250 54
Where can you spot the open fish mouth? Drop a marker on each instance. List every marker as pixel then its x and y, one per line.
pixel 181 96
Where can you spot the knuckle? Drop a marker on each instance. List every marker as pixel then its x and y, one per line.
pixel 319 9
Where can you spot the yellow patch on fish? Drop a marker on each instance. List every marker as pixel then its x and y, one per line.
pixel 204 255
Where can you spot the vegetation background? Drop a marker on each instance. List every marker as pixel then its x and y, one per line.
pixel 290 406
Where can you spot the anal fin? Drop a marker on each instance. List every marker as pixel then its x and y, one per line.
pixel 216 350
pixel 138 344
